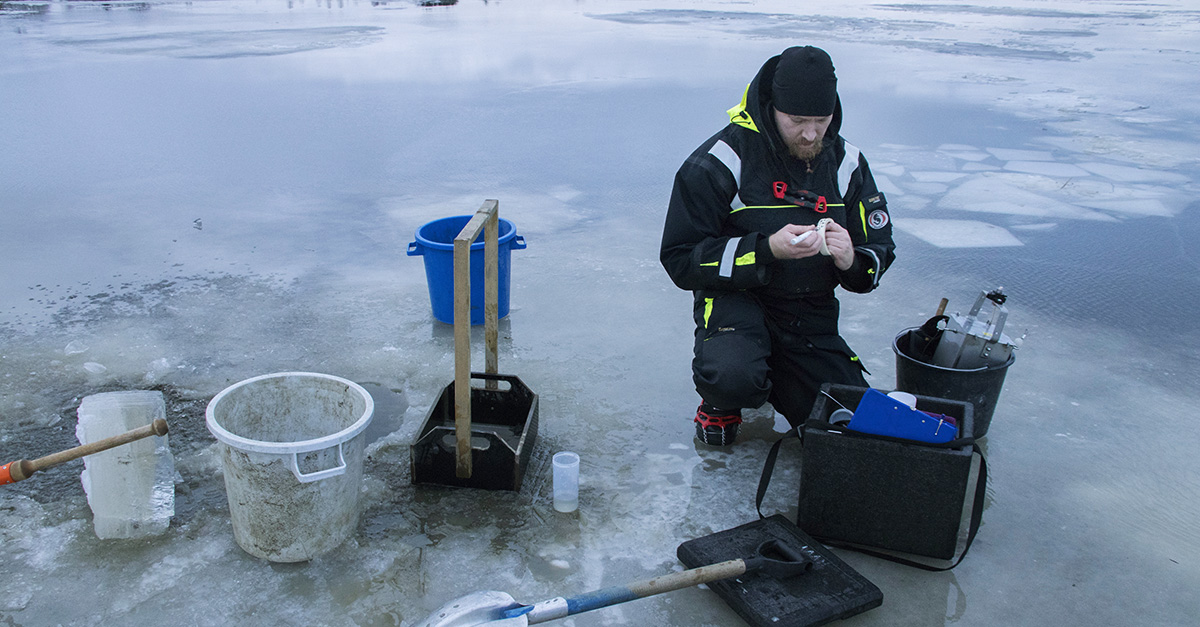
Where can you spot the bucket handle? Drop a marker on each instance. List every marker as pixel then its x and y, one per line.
pixel 414 249
pixel 294 466
pixel 487 221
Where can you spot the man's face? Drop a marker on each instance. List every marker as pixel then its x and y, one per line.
pixel 802 133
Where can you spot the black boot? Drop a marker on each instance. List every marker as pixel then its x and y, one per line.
pixel 717 427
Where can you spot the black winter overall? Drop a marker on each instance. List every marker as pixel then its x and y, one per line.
pixel 767 329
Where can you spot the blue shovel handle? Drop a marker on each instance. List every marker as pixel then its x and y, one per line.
pixel 560 607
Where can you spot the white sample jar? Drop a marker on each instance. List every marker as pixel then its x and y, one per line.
pixel 566 481
pixel 904 397
pixel 840 416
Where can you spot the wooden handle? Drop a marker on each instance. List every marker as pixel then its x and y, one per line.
pixel 487 219
pixel 687 578
pixel 21 469
pixel 942 307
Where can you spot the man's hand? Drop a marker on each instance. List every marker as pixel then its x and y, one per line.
pixel 836 240
pixel 783 248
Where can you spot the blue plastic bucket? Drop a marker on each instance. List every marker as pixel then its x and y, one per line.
pixel 435 241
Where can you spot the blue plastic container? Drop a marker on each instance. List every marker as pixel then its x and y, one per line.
pixel 435 241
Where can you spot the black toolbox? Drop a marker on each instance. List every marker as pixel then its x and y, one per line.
pixel 882 493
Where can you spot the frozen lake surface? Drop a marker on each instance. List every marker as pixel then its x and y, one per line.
pixel 196 193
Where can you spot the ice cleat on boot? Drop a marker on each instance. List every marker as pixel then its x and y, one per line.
pixel 717 427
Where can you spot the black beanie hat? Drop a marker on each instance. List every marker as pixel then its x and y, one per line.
pixel 804 82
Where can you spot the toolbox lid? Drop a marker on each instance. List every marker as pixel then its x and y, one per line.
pixel 829 591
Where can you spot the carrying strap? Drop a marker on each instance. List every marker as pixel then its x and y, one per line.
pixel 976 507
pixel 769 467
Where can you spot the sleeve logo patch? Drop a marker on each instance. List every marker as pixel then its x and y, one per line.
pixel 878 219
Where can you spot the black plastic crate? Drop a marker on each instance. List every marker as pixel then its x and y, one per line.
pixel 881 493
pixel 503 431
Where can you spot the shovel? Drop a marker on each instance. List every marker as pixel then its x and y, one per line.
pixel 20 470
pixel 498 609
pixel 923 342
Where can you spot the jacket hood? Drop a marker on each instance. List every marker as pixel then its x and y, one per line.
pixel 754 111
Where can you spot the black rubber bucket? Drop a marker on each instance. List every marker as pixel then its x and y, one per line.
pixel 978 386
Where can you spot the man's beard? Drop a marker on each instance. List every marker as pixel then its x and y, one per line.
pixel 806 152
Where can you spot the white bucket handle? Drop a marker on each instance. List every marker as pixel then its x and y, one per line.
pixel 294 466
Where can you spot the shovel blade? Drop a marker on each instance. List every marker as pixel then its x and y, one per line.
pixel 478 608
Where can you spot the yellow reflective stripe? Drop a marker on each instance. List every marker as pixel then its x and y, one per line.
pixel 708 303
pixel 738 114
pixel 745 260
pixel 862 217
pixel 854 358
pixel 780 207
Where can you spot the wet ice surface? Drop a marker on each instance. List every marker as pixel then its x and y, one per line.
pixel 197 193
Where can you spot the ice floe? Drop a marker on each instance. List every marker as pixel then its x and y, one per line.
pixel 994 194
pixel 967 155
pixel 937 177
pixel 1127 174
pixel 963 152
pixel 1047 168
pixel 957 233
pixel 885 185
pixel 1008 154
pixel 1040 226
pixel 1138 207
pixel 889 169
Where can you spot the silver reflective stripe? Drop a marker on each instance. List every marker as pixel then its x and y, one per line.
pixel 727 156
pixel 736 203
pixel 878 270
pixel 846 170
pixel 727 258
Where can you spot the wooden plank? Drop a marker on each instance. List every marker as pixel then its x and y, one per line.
pixel 487 219
pixel 491 288
pixel 462 356
pixel 471 230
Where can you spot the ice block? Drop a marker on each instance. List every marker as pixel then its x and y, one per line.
pixel 130 488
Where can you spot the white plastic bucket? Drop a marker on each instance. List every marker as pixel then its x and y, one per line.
pixel 292 455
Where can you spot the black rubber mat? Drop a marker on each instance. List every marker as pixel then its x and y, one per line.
pixel 830 591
